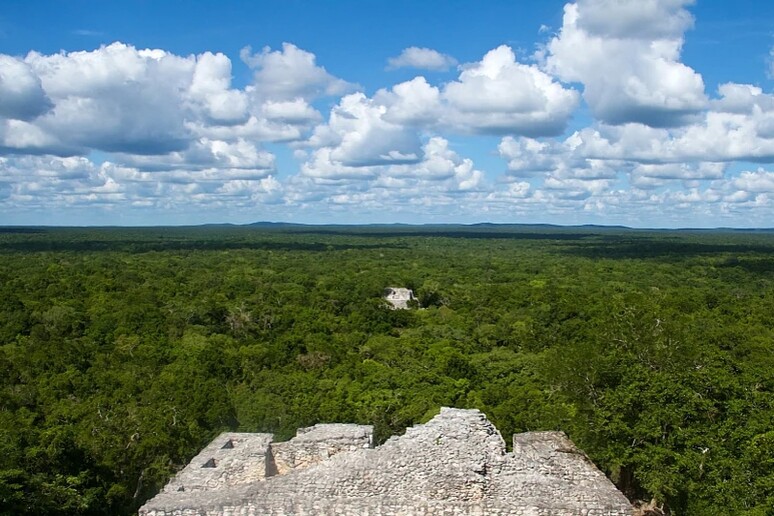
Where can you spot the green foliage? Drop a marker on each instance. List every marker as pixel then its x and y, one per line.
pixel 124 351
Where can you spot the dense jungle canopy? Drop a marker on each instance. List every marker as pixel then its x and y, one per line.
pixel 124 351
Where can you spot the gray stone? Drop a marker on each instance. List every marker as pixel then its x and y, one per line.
pixel 455 464
pixel 230 459
pixel 320 442
pixel 399 297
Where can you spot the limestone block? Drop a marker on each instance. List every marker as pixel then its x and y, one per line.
pixel 230 459
pixel 318 443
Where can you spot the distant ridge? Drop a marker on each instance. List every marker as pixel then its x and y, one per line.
pixel 492 226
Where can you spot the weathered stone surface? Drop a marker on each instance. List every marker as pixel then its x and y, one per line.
pixel 455 464
pixel 399 297
pixel 320 442
pixel 230 459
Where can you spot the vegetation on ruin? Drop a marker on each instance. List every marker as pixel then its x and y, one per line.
pixel 124 351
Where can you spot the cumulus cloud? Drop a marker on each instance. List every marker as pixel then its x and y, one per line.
pixel 18 136
pixel 176 135
pixel 211 88
pixel 579 170
pixel 294 112
pixel 421 58
pixel 500 95
pixel 392 158
pixel 647 176
pixel 720 136
pixel 241 157
pixel 644 19
pixel 290 73
pixel 666 174
pixel 151 108
pixel 21 94
pixel 759 181
pixel 357 135
pixel 527 157
pixel 627 56
pixel 116 98
pixel 40 181
pixel 413 102
pixel 497 95
pixel 739 126
pixel 265 191
pixel 440 182
pixel 441 164
pixel 66 182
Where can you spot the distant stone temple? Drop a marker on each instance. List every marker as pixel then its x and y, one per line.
pixel 456 464
pixel 399 297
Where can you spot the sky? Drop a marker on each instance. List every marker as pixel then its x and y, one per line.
pixel 644 113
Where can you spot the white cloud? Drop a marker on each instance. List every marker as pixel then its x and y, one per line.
pixel 739 126
pixel 500 95
pixel 422 58
pixel 626 54
pixel 376 139
pixel 357 135
pixel 579 169
pixel 205 154
pixel 528 157
pixel 413 102
pixel 290 73
pixel 742 99
pixel 44 181
pixel 26 137
pixel 440 163
pixel 21 94
pixel 116 98
pixel 496 95
pixel 294 112
pixel 642 19
pixel 49 181
pixel 178 137
pixel 572 188
pixel 681 171
pixel 258 127
pixel 153 109
pixel 759 181
pixel 121 99
pixel 211 87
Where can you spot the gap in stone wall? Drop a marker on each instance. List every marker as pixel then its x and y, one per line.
pixel 271 465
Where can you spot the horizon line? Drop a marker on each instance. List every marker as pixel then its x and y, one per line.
pixel 390 224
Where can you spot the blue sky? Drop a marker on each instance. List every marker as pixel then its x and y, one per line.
pixel 648 113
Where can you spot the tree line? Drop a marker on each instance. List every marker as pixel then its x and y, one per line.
pixel 124 351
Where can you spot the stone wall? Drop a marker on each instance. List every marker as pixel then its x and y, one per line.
pixel 318 443
pixel 230 459
pixel 455 464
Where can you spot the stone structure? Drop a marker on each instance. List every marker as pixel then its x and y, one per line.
pixel 230 459
pixel 456 464
pixel 399 297
pixel 234 459
pixel 318 443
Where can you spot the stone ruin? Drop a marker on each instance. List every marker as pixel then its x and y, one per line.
pixel 453 465
pixel 399 297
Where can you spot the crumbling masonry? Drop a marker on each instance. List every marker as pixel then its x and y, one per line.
pixel 455 464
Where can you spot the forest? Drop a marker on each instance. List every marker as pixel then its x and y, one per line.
pixel 123 351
